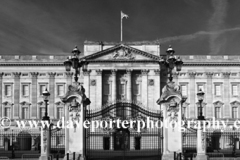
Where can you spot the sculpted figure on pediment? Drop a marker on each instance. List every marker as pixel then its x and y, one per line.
pixel 123 54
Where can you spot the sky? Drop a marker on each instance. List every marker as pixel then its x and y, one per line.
pixel 54 27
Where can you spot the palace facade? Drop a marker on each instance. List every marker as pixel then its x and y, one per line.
pixel 118 72
pixel 128 72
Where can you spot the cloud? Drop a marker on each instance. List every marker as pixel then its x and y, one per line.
pixel 216 22
pixel 196 35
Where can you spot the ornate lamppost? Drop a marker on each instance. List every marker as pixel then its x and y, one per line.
pixel 200 96
pixel 170 102
pixel 46 96
pixel 46 132
pixel 77 109
pixel 75 62
pixel 201 137
pixel 170 62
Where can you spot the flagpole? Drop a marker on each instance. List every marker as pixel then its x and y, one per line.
pixel 121 26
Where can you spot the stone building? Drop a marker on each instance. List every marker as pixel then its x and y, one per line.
pixel 118 72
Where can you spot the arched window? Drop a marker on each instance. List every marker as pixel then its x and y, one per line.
pixel 235 105
pixel 185 109
pixel 218 109
pixel 25 109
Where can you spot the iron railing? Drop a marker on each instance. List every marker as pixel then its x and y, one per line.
pixel 217 142
pixel 14 143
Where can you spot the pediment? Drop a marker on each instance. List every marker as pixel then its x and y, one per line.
pixel 122 52
pixel 235 103
pixel 7 103
pixel 218 103
pixel 25 103
pixel 59 103
pixel 40 103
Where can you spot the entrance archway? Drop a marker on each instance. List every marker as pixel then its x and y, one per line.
pixel 24 140
pixel 122 139
pixel 123 143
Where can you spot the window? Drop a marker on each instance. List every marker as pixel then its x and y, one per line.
pixel 184 90
pixel 136 89
pixel 121 89
pixel 7 112
pixel 217 112
pixel 8 90
pixel 1 141
pixel 25 90
pixel 137 143
pixel 234 90
pixel 106 143
pixel 25 113
pixel 234 112
pixel 42 112
pixel 200 87
pixel 59 112
pixel 60 89
pixel 106 89
pixel 42 88
pixel 217 90
pixel 59 140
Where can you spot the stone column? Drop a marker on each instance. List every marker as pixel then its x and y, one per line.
pixel 16 94
pixel 129 85
pixel 99 88
pixel 111 143
pixel 201 145
pixel 145 87
pixel 52 92
pixel 209 95
pixel 157 88
pixel 114 85
pixel 129 88
pixel 226 95
pixel 69 77
pixel 192 94
pixel 1 88
pixel 34 95
pixel 87 82
pixel 66 113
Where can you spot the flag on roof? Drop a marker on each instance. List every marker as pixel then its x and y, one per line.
pixel 123 15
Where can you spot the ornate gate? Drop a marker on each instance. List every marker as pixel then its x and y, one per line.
pixel 124 142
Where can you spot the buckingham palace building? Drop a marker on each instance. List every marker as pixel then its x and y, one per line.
pixel 118 72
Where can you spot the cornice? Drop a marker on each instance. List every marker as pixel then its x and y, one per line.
pixel 101 53
pixel 123 61
pixel 30 64
pixel 211 64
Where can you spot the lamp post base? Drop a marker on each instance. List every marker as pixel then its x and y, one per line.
pixel 168 156
pixel 43 157
pixel 77 157
pixel 201 157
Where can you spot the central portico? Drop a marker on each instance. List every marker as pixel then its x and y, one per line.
pixel 122 72
pixel 123 81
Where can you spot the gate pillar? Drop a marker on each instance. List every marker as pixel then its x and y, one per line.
pixel 170 102
pixel 45 143
pixel 76 101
